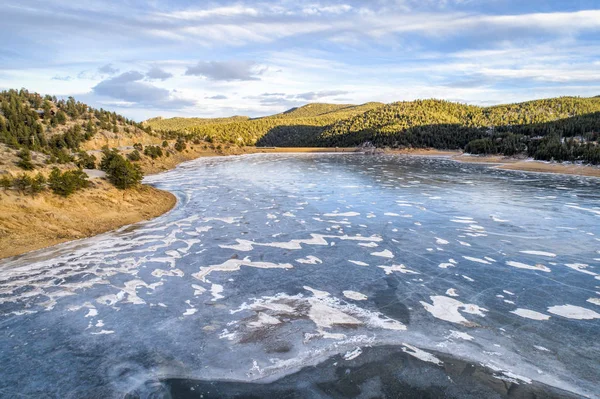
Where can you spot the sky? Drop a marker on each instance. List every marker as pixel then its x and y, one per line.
pixel 211 59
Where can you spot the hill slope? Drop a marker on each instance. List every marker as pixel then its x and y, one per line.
pixel 540 128
pixel 301 125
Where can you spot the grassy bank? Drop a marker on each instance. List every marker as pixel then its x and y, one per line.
pixel 29 223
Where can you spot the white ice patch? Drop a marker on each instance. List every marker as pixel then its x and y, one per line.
pixel 539 253
pixel 322 309
pixel 357 296
pixel 232 265
pixel 216 290
pixel 386 253
pixel 169 273
pixel 264 320
pixel 446 265
pixel 358 263
pixel 595 301
pixel 421 354
pixel 451 292
pixel 441 241
pixel 198 289
pixel 345 214
pixel 309 260
pixel 316 239
pixel 189 312
pixel 445 308
pixel 368 244
pixel 574 312
pixel 353 354
pixel 580 267
pixel 397 268
pixel 228 220
pixel 520 265
pixel 477 260
pixel 530 314
pixel 597 212
pixel 459 335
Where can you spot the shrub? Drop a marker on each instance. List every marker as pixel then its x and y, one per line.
pixel 25 160
pixel 61 156
pixel 6 182
pixel 22 183
pixel 67 183
pixel 134 156
pixel 180 144
pixel 153 151
pixel 85 160
pixel 38 184
pixel 165 144
pixel 138 146
pixel 120 172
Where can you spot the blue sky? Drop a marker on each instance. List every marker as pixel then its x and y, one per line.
pixel 209 59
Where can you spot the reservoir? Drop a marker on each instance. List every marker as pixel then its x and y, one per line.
pixel 319 275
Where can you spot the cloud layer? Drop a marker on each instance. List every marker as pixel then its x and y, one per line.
pixel 214 59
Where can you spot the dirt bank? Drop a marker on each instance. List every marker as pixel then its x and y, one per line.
pixel 29 223
pixel 529 165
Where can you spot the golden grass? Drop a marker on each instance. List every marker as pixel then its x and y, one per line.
pixel 29 223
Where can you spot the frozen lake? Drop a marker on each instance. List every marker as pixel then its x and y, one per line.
pixel 270 263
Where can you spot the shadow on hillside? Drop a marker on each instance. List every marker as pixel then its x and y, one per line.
pixel 291 136
pixel 441 136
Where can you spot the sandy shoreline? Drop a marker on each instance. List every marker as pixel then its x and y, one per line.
pixel 529 165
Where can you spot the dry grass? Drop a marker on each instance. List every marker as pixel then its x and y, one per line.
pixel 28 223
pixel 566 169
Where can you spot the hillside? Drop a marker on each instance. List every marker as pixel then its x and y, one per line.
pixel 301 125
pixel 47 197
pixel 563 129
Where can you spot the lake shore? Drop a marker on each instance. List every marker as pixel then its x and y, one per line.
pixel 30 224
pixel 530 165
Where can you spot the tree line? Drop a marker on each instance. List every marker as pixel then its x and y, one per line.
pixel 562 129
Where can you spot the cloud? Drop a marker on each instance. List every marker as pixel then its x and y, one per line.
pixel 314 95
pixel 333 9
pixel 226 70
pixel 232 11
pixel 217 97
pixel 155 73
pixel 128 87
pixel 62 78
pixel 108 69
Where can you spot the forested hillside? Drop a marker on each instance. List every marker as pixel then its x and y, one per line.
pixel 300 126
pixel 45 143
pixel 49 125
pixel 564 128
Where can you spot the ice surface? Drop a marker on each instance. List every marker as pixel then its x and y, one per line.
pixel 258 273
